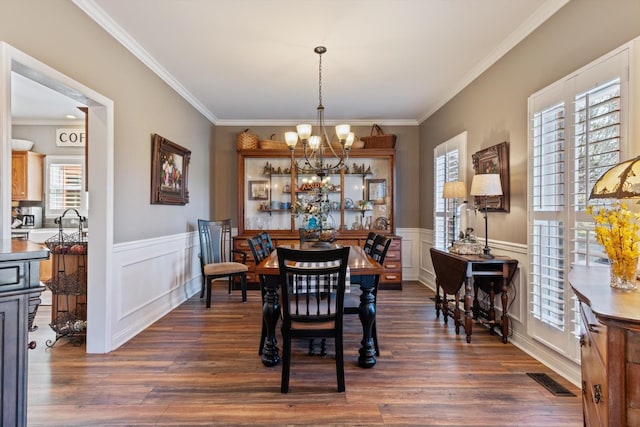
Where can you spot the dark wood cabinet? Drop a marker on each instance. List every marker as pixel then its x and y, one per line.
pixel 19 295
pixel 609 348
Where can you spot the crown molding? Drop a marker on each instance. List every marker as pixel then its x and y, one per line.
pixel 250 123
pixel 96 13
pixel 544 12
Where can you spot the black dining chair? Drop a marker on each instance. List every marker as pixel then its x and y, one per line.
pixel 261 247
pixel 352 300
pixel 312 286
pixel 368 243
pixel 216 257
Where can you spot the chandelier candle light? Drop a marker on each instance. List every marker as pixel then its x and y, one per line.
pixel 486 185
pixel 454 190
pixel 320 158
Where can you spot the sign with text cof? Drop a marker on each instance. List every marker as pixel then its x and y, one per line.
pixel 70 138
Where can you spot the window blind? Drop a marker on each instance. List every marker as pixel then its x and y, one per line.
pixel 576 129
pixel 447 167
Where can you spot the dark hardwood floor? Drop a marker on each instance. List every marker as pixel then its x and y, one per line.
pixel 201 367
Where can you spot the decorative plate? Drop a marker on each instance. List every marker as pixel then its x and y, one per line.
pixel 348 203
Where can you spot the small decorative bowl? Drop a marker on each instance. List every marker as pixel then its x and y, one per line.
pixel 21 145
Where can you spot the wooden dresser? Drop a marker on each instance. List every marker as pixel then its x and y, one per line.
pixel 610 348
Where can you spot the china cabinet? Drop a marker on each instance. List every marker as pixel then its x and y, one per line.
pixel 26 175
pixel 350 203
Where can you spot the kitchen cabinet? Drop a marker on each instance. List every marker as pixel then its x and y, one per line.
pixel 609 348
pixel 354 201
pixel 27 175
pixel 19 295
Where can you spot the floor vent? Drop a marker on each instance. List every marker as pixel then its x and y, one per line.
pixel 550 384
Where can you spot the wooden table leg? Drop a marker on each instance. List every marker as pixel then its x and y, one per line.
pixel 271 313
pixel 367 315
pixel 439 301
pixel 468 303
pixel 456 313
pixel 505 307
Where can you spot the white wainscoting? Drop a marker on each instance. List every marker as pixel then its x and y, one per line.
pixel 518 297
pixel 151 278
pixel 410 250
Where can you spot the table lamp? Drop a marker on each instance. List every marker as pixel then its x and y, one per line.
pixel 622 181
pixel 454 190
pixel 486 185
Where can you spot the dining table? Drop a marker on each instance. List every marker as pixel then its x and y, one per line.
pixel 361 266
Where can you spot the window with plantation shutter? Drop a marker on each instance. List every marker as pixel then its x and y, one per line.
pixel 448 159
pixel 576 130
pixel 548 202
pixel 65 185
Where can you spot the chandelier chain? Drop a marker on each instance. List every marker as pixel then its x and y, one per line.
pixel 320 81
pixel 317 146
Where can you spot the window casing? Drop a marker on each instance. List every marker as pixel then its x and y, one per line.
pixel 448 165
pixel 577 130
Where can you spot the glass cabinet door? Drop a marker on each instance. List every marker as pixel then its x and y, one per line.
pixel 267 198
pixel 367 195
pixel 359 197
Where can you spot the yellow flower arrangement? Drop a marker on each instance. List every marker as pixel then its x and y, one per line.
pixel 617 231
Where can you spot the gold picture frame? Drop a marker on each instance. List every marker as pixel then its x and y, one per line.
pixel 494 159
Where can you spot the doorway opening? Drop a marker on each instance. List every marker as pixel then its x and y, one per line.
pixel 100 114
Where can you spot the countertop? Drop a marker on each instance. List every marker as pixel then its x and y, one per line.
pixel 20 250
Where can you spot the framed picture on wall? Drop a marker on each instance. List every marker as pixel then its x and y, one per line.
pixel 169 172
pixel 494 159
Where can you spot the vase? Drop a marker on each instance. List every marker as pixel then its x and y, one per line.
pixel 623 273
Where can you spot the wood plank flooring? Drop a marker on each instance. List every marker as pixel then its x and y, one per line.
pixel 201 367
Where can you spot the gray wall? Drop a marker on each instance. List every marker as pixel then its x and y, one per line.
pixel 224 160
pixel 59 34
pixel 493 108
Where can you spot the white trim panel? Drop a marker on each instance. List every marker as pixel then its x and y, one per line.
pixel 151 278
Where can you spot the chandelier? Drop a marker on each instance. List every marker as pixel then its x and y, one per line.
pixel 320 156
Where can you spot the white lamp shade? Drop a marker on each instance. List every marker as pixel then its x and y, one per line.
pixel 454 190
pixel 487 184
pixel 304 131
pixel 291 138
pixel 314 142
pixel 350 138
pixel 342 131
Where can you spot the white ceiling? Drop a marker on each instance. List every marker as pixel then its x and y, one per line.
pixel 34 103
pixel 252 61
